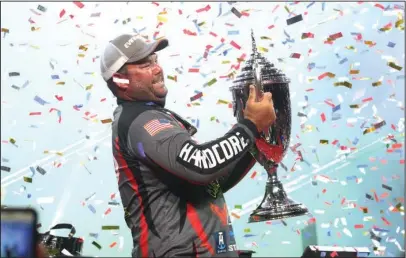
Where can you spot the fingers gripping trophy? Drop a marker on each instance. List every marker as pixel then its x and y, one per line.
pixel 273 143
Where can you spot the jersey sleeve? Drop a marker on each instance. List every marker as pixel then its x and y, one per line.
pixel 158 139
pixel 240 170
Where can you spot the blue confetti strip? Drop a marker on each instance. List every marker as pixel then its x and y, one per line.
pixel 40 100
pixel 91 208
pixel 343 61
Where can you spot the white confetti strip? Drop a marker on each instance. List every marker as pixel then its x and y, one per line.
pixel 45 200
pixel 347 232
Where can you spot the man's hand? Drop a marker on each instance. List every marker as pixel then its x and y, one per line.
pixel 261 113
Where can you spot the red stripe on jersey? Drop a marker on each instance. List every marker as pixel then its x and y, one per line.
pixel 133 183
pixel 193 217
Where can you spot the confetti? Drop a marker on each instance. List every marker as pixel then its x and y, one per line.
pixel 62 13
pixel 394 66
pixel 13 74
pixel 345 83
pixel 41 8
pixel 91 208
pixel 40 101
pixel 344 111
pixel 28 179
pixel 96 245
pixel 41 170
pixel 391 44
pixel 236 12
pixel 79 4
pixel 45 200
pixel 110 227
pixel 295 55
pixel 106 121
pixel 4 168
pixel 294 19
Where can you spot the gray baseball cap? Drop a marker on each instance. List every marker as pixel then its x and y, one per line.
pixel 127 49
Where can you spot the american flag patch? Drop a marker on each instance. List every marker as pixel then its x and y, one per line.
pixel 157 125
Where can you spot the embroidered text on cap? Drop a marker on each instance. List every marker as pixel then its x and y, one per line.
pixel 130 41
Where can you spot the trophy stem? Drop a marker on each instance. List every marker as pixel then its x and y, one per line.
pixel 276 204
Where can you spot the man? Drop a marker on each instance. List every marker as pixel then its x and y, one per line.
pixel 171 187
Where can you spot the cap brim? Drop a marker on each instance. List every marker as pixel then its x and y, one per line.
pixel 149 49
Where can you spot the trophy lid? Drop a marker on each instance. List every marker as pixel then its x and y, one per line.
pixel 270 74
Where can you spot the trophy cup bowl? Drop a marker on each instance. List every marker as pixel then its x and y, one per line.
pixel 271 146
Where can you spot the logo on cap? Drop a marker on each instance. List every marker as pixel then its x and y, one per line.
pixel 130 41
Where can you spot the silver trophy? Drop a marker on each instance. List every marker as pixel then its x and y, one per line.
pixel 272 145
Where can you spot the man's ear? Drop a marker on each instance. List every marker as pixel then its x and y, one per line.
pixel 121 80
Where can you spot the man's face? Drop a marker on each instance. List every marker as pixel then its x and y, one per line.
pixel 146 80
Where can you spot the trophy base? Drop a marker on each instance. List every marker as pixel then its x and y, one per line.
pixel 281 212
pixel 276 205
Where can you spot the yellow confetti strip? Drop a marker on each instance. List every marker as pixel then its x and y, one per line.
pixel 369 130
pixel 106 121
pixel 262 49
pixel 399 22
pixel 83 47
pixel 385 29
pixel 394 66
pixel 162 18
pixel 212 118
pixel 346 84
pixel 60 83
pixel 354 71
pixel 5 30
pixel 173 78
pixel 81 55
pixel 220 101
pixel 225 62
pixel 88 87
pixel 35 29
pixel 376 84
pixel 323 141
pixel 212 81
pixel 12 140
pixel 265 37
pixel 308 129
pixel 369 42
pixel 27 179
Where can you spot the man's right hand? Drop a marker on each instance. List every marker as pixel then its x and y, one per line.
pixel 261 113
